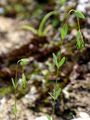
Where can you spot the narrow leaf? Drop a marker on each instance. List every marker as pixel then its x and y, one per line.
pixel 62 61
pixel 57 92
pixel 64 31
pixel 55 60
pixel 51 96
pixel 44 20
pixel 58 54
pixel 24 81
pixel 13 82
pixel 28 27
pixel 79 40
pixel 79 14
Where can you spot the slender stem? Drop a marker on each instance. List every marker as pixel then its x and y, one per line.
pixel 78 23
pixel 66 17
pixel 15 91
pixel 57 76
pixel 15 105
pixel 53 107
pixel 16 73
pixel 54 101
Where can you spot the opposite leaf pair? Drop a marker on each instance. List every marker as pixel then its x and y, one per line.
pixel 57 61
pixel 56 92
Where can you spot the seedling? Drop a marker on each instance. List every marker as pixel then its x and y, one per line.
pixel 58 61
pixel 41 30
pixel 23 62
pixel 79 37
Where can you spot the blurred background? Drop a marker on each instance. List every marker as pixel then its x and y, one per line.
pixel 17 43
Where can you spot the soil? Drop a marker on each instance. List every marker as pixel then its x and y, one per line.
pixel 17 43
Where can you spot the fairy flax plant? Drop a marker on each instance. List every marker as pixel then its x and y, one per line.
pixel 42 31
pixel 59 61
pixel 23 62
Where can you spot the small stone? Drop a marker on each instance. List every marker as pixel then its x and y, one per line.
pixel 42 118
pixel 83 116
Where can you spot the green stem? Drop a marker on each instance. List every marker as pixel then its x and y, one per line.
pixel 53 109
pixel 15 91
pixel 66 17
pixel 54 91
pixel 57 76
pixel 15 105
pixel 78 23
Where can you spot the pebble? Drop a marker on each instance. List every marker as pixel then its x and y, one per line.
pixel 83 116
pixel 42 118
